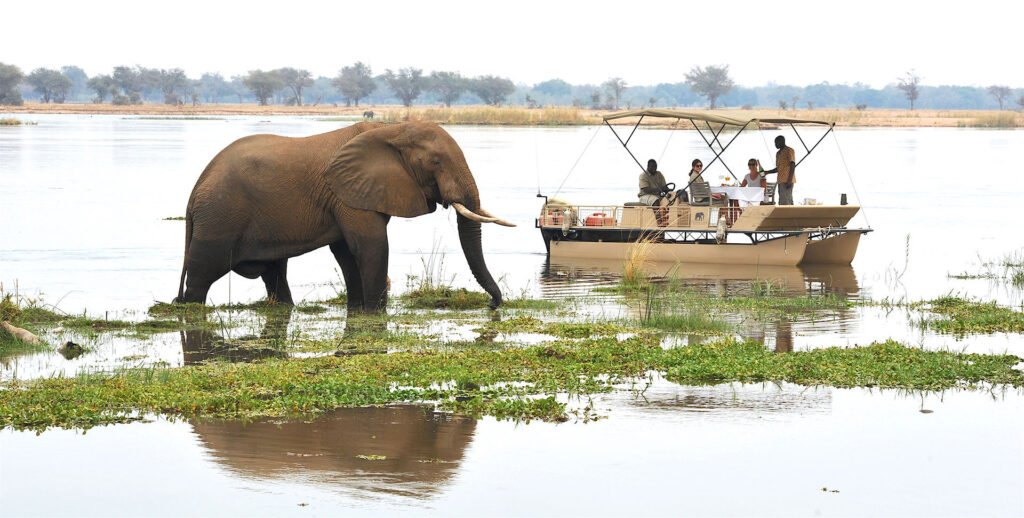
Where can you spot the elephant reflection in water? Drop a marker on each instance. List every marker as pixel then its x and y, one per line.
pixel 409 450
pixel 201 344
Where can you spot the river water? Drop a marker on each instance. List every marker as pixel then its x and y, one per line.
pixel 83 202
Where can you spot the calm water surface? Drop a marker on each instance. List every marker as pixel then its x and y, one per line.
pixel 82 208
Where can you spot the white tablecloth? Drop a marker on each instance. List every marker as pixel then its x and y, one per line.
pixel 745 195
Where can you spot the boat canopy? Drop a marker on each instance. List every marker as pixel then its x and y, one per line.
pixel 709 117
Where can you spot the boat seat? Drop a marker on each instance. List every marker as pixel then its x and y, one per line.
pixel 769 194
pixel 700 194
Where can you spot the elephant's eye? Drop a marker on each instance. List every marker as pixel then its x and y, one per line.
pixel 436 162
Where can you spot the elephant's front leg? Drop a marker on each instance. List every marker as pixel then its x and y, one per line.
pixel 350 271
pixel 367 236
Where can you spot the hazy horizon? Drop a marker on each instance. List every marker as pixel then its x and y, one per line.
pixel 784 43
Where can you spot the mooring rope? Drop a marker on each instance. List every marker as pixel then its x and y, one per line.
pixel 850 177
pixel 577 162
pixel 671 132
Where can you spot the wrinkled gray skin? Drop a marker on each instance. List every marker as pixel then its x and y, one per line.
pixel 266 198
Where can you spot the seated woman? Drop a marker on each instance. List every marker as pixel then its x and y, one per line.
pixel 695 169
pixel 753 178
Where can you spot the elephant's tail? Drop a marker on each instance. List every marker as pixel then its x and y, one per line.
pixel 184 262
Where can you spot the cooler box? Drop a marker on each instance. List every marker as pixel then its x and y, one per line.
pixel 600 219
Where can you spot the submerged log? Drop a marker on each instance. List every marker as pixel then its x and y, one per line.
pixel 21 334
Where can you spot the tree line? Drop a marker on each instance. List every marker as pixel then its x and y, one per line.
pixel 703 86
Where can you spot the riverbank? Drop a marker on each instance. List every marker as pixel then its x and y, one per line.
pixel 518 116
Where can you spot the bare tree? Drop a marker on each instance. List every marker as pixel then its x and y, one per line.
pixel 1001 93
pixel 449 86
pixel 493 90
pixel 51 85
pixel 406 84
pixel 296 81
pixel 172 83
pixel 263 84
pixel 615 86
pixel 355 82
pixel 103 85
pixel 10 77
pixel 711 82
pixel 909 86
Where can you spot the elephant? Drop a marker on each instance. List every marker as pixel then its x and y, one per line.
pixel 266 198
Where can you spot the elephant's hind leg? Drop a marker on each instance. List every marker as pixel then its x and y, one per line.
pixel 198 281
pixel 350 271
pixel 275 277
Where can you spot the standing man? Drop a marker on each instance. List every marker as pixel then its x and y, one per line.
pixel 785 166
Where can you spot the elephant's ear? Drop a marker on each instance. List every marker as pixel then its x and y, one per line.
pixel 369 172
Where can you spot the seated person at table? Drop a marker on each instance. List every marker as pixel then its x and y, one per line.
pixel 695 169
pixel 753 178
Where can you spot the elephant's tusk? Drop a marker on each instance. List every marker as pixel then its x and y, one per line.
pixel 466 213
pixel 497 220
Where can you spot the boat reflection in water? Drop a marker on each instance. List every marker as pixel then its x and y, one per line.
pixel 407 451
pixel 578 277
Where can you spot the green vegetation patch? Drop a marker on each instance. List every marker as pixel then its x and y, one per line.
pixel 189 310
pixel 964 316
pixel 519 384
pixel 444 297
pixel 691 322
pixel 884 365
pixel 528 324
pixel 528 303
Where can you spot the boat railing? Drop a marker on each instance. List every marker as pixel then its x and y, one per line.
pixel 634 216
pixel 693 217
pixel 581 215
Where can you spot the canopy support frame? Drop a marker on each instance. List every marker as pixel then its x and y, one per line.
pixel 724 148
pixel 809 151
pixel 624 143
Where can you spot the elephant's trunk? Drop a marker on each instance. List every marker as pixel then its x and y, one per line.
pixel 469 235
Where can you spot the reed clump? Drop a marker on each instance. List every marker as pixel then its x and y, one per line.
pixel 1008 269
pixel 634 269
pixel 1001 119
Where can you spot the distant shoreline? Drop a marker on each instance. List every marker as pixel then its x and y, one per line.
pixel 521 116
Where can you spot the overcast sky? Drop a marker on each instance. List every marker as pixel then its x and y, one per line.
pixel 786 42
